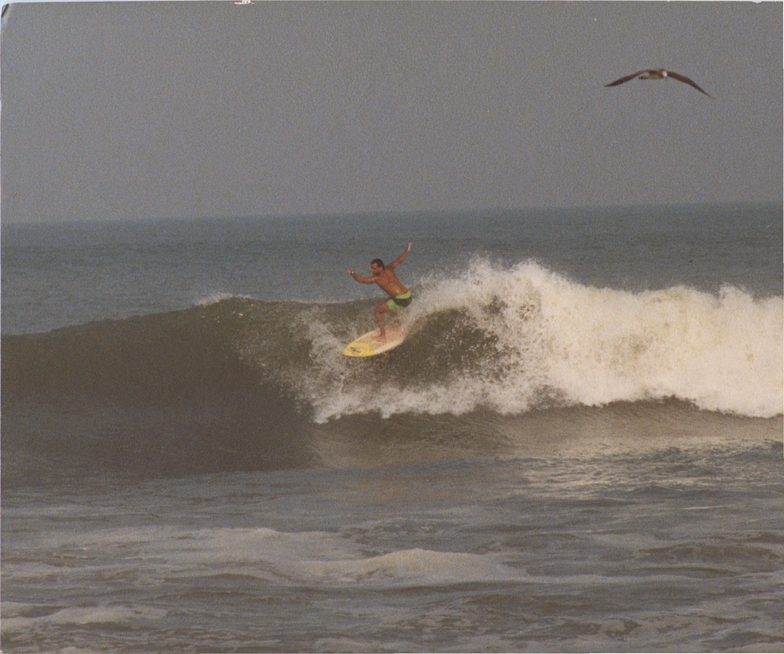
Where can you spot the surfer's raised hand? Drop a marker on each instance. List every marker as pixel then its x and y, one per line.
pixel 400 259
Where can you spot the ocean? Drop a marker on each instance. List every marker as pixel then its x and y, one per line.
pixel 577 448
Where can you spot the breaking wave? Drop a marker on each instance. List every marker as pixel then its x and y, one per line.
pixel 244 379
pixel 525 338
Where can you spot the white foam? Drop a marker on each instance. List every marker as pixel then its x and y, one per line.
pixel 85 615
pixel 585 345
pixel 410 567
pixel 213 298
pixel 320 558
pixel 325 559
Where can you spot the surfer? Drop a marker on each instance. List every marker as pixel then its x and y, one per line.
pixel 385 277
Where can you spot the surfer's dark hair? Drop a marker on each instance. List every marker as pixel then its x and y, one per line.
pixel 379 262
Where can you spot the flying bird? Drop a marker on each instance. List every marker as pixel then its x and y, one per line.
pixel 658 73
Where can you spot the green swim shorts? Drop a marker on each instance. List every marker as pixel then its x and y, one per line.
pixel 399 302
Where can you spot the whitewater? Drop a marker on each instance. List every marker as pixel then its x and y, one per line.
pixel 538 339
pixel 577 448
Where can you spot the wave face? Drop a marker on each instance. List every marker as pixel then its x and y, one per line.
pixel 243 381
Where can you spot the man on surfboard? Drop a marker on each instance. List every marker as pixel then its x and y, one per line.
pixel 385 277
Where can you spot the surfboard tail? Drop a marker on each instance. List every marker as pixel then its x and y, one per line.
pixel 367 346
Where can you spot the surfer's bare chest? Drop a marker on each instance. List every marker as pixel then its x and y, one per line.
pixel 389 282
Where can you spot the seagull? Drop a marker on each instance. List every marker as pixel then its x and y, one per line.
pixel 658 73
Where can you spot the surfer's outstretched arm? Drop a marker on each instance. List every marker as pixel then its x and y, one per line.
pixel 400 259
pixel 360 278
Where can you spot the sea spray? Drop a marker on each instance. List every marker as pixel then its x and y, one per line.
pixel 545 340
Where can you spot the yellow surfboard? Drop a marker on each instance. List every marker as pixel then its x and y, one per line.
pixel 365 346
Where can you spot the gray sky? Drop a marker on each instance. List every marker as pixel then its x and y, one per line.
pixel 191 109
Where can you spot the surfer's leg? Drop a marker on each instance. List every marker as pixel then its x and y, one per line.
pixel 379 312
pixel 392 308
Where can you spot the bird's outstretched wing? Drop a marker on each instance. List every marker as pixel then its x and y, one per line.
pixel 686 80
pixel 626 78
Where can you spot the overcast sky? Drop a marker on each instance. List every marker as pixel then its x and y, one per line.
pixel 196 109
